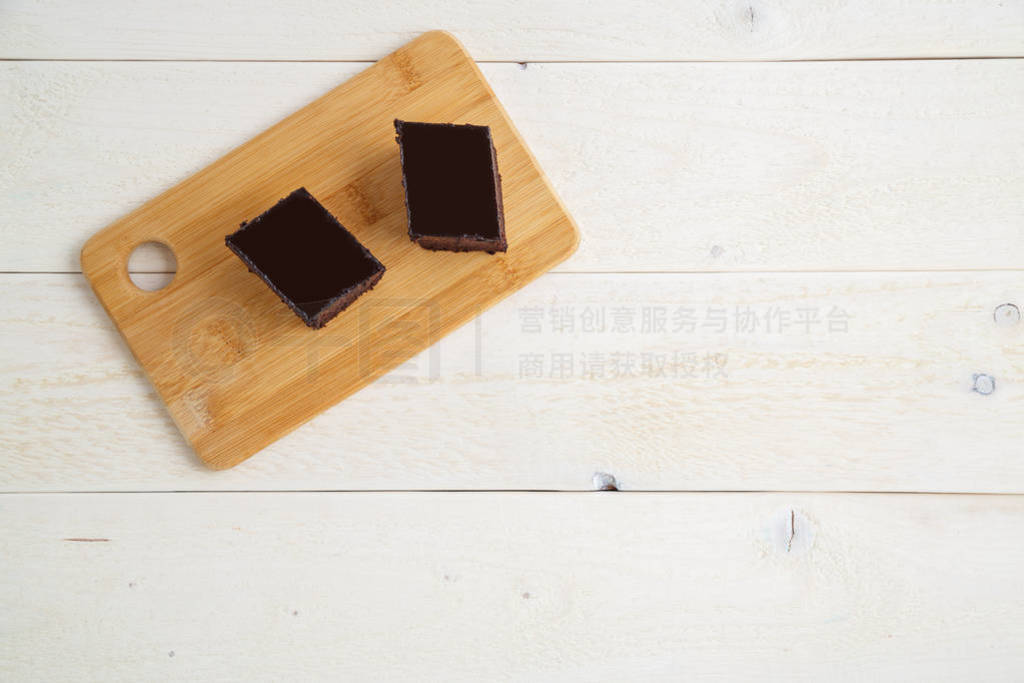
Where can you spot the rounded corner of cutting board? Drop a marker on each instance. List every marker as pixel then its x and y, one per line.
pixel 443 37
pixel 90 257
pixel 219 463
pixel 574 236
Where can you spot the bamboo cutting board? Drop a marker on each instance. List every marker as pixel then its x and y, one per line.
pixel 236 368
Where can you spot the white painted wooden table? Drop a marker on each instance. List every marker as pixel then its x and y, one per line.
pixel 803 232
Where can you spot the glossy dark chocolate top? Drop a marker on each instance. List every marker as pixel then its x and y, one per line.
pixel 305 253
pixel 449 174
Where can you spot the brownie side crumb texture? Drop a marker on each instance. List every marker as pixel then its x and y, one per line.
pixel 452 186
pixel 306 257
pixel 343 301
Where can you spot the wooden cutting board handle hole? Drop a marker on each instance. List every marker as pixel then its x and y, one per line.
pixel 151 266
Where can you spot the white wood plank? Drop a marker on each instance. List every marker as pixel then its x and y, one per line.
pixel 886 404
pixel 666 167
pixel 520 30
pixel 532 587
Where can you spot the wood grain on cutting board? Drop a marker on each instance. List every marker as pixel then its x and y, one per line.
pixel 236 368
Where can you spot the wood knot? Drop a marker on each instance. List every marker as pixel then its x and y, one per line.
pixel 984 384
pixel 1006 314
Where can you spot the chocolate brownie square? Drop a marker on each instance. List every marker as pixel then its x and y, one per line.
pixel 307 257
pixel 452 186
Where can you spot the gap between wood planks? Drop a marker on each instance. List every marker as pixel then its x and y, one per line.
pixel 643 272
pixel 521 63
pixel 737 492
